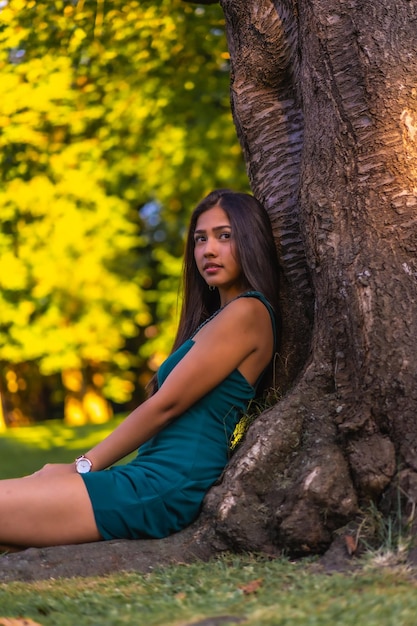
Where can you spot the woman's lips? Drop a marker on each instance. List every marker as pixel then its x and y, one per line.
pixel 212 269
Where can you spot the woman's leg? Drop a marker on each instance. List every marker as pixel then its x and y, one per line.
pixel 46 511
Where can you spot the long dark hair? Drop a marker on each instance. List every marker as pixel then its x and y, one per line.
pixel 256 253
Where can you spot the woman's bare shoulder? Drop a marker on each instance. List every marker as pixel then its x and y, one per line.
pixel 240 315
pixel 246 307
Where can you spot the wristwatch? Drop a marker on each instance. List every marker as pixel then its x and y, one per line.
pixel 83 465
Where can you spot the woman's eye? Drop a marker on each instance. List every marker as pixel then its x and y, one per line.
pixel 226 235
pixel 199 238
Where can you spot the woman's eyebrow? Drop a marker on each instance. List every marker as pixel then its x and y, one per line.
pixel 201 230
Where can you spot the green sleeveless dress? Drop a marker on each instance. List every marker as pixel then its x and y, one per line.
pixel 162 489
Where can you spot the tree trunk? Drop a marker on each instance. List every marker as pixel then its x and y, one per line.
pixel 324 95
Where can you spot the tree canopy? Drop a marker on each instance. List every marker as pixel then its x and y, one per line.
pixel 115 120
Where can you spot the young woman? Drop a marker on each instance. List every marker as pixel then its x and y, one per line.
pixel 222 357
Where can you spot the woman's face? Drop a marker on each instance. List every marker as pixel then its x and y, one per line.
pixel 215 253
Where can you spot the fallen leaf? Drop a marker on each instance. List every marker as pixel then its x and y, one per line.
pixel 17 621
pixel 252 586
pixel 181 595
pixel 351 544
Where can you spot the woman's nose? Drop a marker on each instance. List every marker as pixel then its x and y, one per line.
pixel 210 248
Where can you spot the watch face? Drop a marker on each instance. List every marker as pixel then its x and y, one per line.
pixel 83 466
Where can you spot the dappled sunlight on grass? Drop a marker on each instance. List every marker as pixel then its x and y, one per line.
pixel 56 434
pixel 26 449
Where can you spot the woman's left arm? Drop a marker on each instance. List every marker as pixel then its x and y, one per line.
pixel 220 347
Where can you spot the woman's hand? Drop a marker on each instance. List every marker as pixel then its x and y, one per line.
pixel 56 469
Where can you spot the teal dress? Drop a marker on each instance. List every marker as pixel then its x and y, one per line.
pixel 162 489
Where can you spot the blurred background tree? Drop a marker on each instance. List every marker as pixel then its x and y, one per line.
pixel 114 121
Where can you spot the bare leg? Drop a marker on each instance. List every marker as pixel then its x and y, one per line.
pixel 46 511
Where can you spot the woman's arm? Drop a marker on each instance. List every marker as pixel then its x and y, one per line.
pixel 240 333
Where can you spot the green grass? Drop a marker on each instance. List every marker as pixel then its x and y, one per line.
pixel 26 449
pixel 257 591
pixel 285 594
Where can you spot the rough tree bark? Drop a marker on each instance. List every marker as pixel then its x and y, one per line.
pixel 324 94
pixel 324 97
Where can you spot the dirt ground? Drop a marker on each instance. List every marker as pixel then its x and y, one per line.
pixel 98 559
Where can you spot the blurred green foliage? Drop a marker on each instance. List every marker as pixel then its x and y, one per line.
pixel 114 121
